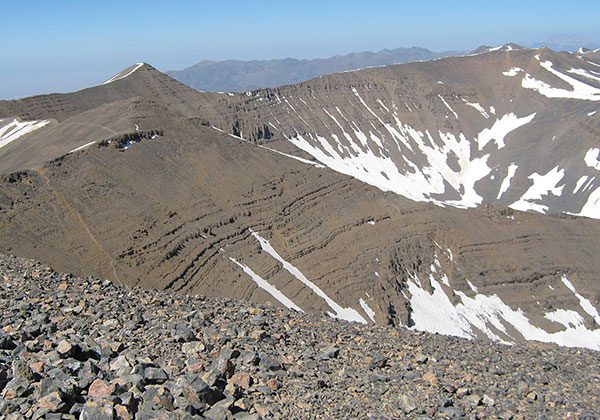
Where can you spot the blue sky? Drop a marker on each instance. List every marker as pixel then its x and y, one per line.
pixel 59 46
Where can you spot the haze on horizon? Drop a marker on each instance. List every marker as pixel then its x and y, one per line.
pixel 65 45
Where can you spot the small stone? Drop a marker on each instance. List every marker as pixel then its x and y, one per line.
pixel 421 359
pixel 37 367
pixel 473 400
pixel 21 369
pixel 6 343
pixel 51 401
pixel 487 400
pixel 269 364
pixel 193 347
pixel 154 375
pixel 122 413
pixel 218 413
pixel 119 363
pixel 407 403
pixel 99 388
pixel 97 410
pixel 378 362
pixel 462 392
pixel 273 383
pixel 242 379
pixel 66 349
pixel 532 396
pixel 430 377
pixel 265 411
pixel 330 352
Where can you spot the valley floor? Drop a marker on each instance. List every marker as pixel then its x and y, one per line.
pixel 81 347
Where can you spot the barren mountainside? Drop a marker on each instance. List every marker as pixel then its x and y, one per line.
pixel 334 195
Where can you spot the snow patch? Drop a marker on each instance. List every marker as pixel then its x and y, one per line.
pixel 15 129
pixel 568 318
pixel 585 304
pixel 435 313
pixel 512 72
pixel 512 170
pixel 542 185
pixel 501 128
pixel 591 158
pixel 472 286
pixel 580 90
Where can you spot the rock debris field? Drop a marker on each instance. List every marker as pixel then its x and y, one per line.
pixel 84 348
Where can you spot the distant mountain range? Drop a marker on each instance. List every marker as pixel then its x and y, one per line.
pixel 566 42
pixel 242 76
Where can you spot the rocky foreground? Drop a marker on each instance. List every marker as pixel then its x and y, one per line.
pixel 81 347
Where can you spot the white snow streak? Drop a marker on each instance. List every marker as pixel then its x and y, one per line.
pixel 83 147
pixel 582 72
pixel 348 314
pixel 370 312
pixel 512 170
pixel 15 129
pixel 268 287
pixel 592 206
pixel 120 76
pixel 580 183
pixel 448 106
pixel 478 108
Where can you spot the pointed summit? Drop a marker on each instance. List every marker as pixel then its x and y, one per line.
pixel 124 73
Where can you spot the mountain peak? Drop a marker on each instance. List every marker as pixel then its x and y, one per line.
pixel 509 46
pixel 125 73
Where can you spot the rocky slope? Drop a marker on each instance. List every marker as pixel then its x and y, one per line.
pixel 156 192
pixel 80 347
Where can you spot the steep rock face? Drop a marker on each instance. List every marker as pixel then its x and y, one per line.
pixel 166 198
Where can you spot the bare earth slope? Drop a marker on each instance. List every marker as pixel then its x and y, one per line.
pixel 167 201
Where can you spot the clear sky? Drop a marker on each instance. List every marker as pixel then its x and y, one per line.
pixel 59 45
